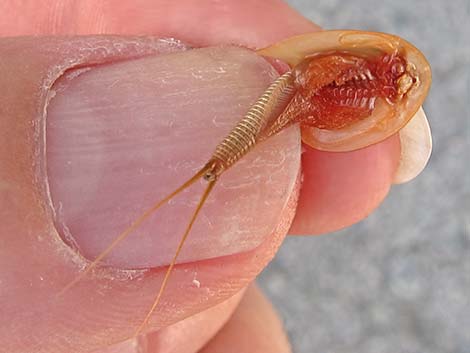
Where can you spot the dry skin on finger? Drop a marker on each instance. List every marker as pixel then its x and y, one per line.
pixel 346 89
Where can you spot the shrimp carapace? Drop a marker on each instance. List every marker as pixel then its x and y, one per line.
pixel 336 90
pixel 353 88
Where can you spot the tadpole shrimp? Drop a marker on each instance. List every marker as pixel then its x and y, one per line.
pixel 346 89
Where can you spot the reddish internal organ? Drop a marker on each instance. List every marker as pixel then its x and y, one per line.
pixel 336 90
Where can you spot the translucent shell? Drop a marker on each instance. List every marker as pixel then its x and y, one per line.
pixel 387 117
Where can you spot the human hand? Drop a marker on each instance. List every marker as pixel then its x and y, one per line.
pixel 105 308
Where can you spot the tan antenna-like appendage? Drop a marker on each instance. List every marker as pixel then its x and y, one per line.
pixel 203 199
pixel 135 225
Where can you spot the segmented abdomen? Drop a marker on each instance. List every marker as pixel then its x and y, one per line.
pixel 254 124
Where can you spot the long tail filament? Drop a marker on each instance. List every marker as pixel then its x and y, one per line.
pixel 203 199
pixel 125 233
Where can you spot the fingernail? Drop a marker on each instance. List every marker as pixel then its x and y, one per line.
pixel 122 136
pixel 416 147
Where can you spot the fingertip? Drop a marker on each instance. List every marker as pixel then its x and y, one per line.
pixel 340 189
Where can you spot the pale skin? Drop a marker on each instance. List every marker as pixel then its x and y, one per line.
pixel 370 171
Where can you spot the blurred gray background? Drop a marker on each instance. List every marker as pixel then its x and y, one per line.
pixel 398 282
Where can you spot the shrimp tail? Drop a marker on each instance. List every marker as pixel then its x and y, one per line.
pixel 169 270
pixel 135 224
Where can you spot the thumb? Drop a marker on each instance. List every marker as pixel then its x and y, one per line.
pixel 117 136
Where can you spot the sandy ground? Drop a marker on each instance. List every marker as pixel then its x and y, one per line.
pixel 398 282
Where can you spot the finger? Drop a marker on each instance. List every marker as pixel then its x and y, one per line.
pixel 251 23
pixel 186 336
pixel 339 189
pixel 254 327
pixel 100 104
pixel 82 336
